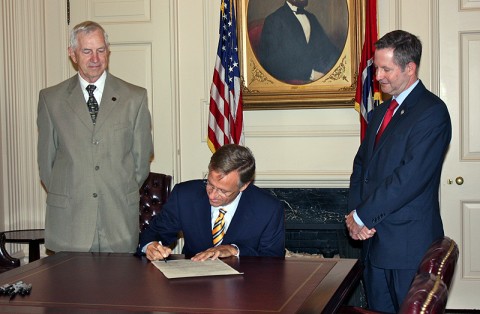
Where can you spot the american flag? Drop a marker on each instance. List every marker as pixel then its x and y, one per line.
pixel 225 121
pixel 367 94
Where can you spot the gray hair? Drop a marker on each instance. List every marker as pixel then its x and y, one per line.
pixel 86 27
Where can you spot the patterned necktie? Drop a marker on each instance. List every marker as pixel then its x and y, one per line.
pixel 92 103
pixel 386 119
pixel 219 228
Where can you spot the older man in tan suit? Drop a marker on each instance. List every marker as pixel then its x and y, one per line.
pixel 94 151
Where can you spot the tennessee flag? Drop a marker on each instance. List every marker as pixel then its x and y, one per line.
pixel 367 95
pixel 225 121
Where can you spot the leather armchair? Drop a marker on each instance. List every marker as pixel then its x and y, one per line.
pixel 441 259
pixel 428 292
pixel 7 262
pixel 153 194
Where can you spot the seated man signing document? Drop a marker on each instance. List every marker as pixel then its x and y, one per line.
pixel 224 215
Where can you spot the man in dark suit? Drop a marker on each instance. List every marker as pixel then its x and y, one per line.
pixel 294 48
pixel 93 151
pixel 253 220
pixel 393 201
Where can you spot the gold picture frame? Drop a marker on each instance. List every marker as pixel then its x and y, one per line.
pixel 336 88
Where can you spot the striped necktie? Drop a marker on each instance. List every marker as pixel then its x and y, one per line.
pixel 218 230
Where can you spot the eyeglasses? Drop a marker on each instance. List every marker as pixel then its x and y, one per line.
pixel 222 193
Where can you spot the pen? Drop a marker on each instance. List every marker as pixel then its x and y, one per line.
pixel 164 259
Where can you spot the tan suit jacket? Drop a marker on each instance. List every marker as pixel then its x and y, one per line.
pixel 92 173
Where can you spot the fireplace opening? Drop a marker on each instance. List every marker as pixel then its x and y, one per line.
pixel 315 224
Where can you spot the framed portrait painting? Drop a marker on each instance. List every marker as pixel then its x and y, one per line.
pixel 303 56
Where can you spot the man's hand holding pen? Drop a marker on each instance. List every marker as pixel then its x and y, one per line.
pixel 156 251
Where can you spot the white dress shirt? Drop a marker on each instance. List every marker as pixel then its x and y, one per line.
pixel 98 92
pixel 303 19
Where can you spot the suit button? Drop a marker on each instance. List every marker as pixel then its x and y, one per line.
pixel 97 167
pixel 365 180
pixel 95 195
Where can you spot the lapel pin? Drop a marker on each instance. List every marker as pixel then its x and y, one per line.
pixel 402 112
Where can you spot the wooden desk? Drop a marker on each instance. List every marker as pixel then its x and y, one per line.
pixel 33 237
pixel 119 283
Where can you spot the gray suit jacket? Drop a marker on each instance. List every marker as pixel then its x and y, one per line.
pixel 92 173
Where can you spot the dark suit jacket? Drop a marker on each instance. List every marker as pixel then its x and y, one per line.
pixel 257 228
pixel 394 186
pixel 93 171
pixel 284 51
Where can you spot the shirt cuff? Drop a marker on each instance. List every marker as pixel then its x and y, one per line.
pixel 357 219
pixel 238 250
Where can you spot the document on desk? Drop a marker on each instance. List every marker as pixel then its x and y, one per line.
pixel 183 268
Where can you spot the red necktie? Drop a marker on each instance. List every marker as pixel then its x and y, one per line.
pixel 386 119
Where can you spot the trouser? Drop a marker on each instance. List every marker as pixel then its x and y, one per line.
pixel 386 288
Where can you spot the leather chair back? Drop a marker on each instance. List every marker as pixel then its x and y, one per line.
pixel 441 259
pixel 428 294
pixel 153 194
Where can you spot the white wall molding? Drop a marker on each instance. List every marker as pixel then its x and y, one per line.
pixel 302 179
pixel 469 5
pixel 317 130
pixel 469 48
